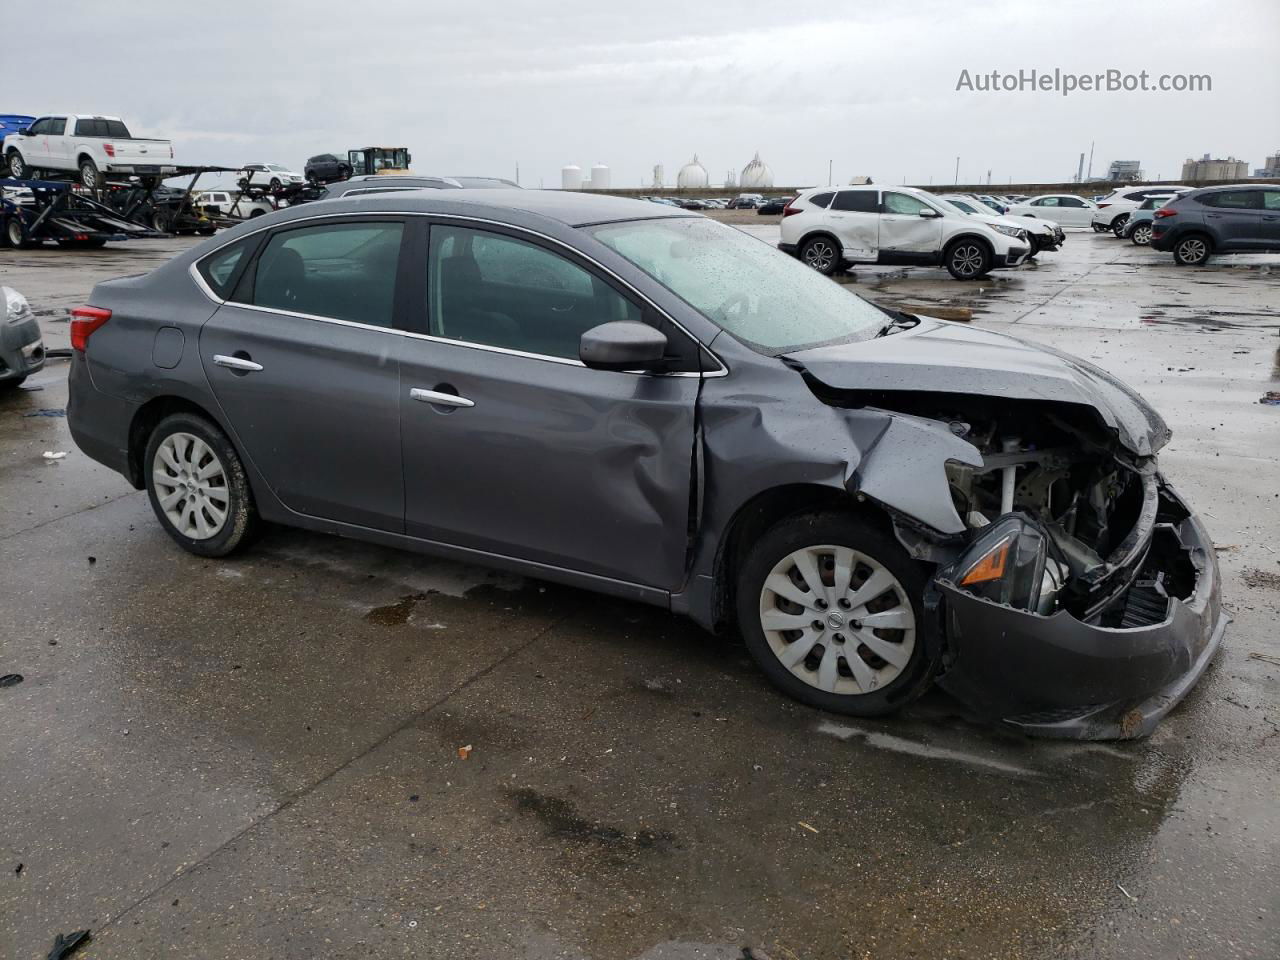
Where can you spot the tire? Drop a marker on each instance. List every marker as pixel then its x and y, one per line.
pixel 89 175
pixel 1192 250
pixel 1140 235
pixel 275 183
pixel 1117 225
pixel 827 679
pixel 822 254
pixel 13 233
pixel 257 212
pixel 1034 243
pixel 1098 229
pixel 17 166
pixel 178 445
pixel 967 259
pixel 161 222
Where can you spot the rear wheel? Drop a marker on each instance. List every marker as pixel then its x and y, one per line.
pixel 1192 251
pixel 1117 225
pixel 967 259
pixel 1141 234
pixel 275 183
pixel 161 222
pixel 822 254
pixel 830 608
pixel 14 234
pixel 1098 228
pixel 197 486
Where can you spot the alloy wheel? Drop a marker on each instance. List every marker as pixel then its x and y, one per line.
pixel 89 176
pixel 966 259
pixel 191 486
pixel 1142 234
pixel 820 255
pixel 1192 250
pixel 837 619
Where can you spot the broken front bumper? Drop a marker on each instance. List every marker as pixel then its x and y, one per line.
pixel 1113 677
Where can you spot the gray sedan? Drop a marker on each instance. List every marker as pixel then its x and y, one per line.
pixel 632 399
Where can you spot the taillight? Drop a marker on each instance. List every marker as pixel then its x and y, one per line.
pixel 1166 212
pixel 85 320
pixel 788 210
pixel 110 148
pixel 1101 205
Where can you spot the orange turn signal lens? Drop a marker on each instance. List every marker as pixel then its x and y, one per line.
pixel 990 567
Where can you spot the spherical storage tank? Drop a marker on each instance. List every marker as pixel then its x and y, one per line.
pixel 600 177
pixel 571 177
pixel 756 173
pixel 692 175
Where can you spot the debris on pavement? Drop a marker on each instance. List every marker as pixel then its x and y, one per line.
pixel 1265 657
pixel 54 454
pixel 47 412
pixel 64 945
pixel 811 829
pixel 17 871
pixel 1271 398
pixel 10 680
pixel 1126 892
pixel 464 752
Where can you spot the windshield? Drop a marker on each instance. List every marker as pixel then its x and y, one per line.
pixel 762 297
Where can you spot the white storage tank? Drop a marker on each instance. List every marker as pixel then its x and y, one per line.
pixel 757 173
pixel 600 177
pixel 693 175
pixel 571 177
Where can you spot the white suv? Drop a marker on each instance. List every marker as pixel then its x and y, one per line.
pixel 829 227
pixel 1113 210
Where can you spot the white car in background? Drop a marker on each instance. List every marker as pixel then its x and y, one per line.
pixel 230 203
pixel 1114 209
pixel 1063 208
pixel 1041 234
pixel 270 175
pixel 830 227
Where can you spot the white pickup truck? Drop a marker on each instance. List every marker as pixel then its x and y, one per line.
pixel 91 145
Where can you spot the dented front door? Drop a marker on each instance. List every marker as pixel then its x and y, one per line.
pixel 547 461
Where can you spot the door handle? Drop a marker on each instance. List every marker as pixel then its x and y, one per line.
pixel 236 363
pixel 441 399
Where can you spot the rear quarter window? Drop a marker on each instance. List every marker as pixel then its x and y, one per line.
pixel 220 269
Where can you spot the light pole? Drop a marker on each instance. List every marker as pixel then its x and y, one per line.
pixel 956 181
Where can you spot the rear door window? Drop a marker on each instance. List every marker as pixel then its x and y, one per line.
pixel 1070 202
pixel 343 271
pixel 1234 199
pixel 858 201
pixel 1271 200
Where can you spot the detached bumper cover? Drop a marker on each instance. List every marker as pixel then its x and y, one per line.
pixel 1016 255
pixel 1060 677
pixel 21 348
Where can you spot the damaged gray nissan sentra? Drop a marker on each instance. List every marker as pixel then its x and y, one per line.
pixel 643 402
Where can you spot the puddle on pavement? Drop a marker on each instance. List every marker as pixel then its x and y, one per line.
pixel 561 820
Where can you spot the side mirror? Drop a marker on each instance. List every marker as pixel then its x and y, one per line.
pixel 927 212
pixel 24 131
pixel 622 345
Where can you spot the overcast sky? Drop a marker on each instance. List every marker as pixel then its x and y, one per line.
pixel 477 88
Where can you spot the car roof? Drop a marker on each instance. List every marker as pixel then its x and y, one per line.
pixel 82 116
pixel 566 206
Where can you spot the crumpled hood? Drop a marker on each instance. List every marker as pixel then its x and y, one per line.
pixel 950 358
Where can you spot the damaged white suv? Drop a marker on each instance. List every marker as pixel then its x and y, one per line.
pixel 830 228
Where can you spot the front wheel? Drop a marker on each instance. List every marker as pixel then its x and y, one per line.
pixel 830 608
pixel 197 486
pixel 1192 251
pixel 967 259
pixel 275 183
pixel 89 175
pixel 1141 234
pixel 822 254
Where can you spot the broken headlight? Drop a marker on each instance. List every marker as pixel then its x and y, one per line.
pixel 1013 562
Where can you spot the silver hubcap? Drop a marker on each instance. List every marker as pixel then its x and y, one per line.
pixel 191 486
pixel 820 255
pixel 1192 249
pixel 1142 234
pixel 967 260
pixel 837 619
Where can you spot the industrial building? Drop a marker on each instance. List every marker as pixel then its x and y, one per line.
pixel 1208 169
pixel 1122 171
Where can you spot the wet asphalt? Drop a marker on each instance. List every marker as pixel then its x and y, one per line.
pixel 259 757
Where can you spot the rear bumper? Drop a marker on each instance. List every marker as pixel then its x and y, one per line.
pixel 1060 677
pixel 99 422
pixel 21 349
pixel 140 167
